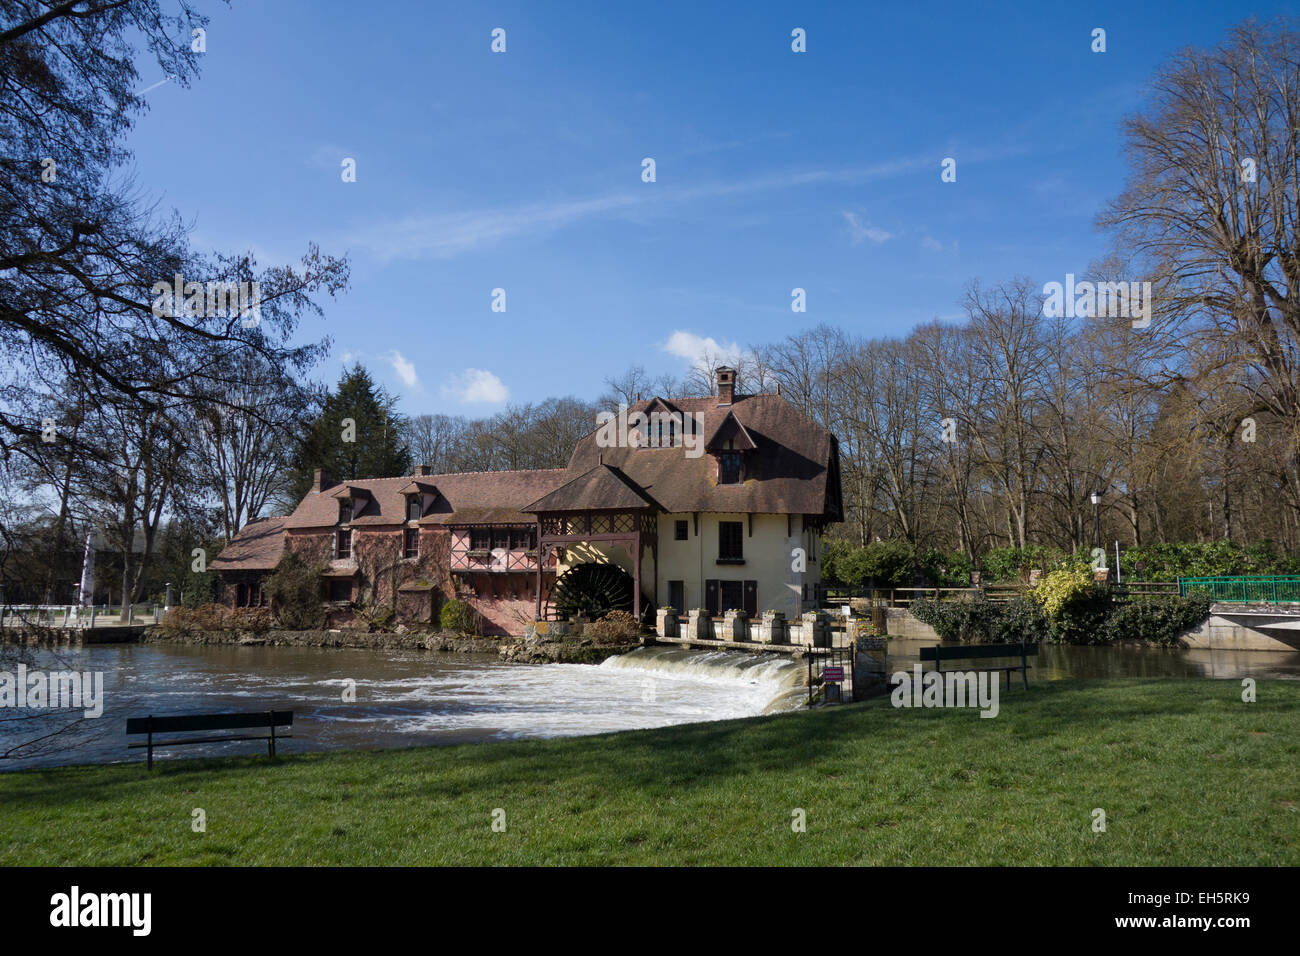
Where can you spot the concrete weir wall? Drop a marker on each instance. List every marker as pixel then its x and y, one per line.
pixel 1236 629
pixel 899 622
pixel 74 636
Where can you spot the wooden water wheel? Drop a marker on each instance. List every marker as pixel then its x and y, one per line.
pixel 592 590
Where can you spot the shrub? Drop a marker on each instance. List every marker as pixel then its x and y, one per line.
pixel 460 617
pixel 250 619
pixel 1168 562
pixel 294 591
pixel 206 617
pixel 616 627
pixel 1076 606
pixel 1011 564
pixel 1158 620
pixel 982 622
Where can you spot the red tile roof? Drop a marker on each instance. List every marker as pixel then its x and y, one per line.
pixel 602 487
pixel 257 546
pixel 483 497
pixel 793 469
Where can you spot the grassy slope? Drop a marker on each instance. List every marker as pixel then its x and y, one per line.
pixel 1187 774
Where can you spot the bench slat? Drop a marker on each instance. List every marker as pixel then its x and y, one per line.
pixel 194 722
pixel 182 741
pixel 974 651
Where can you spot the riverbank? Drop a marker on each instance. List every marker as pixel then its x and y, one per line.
pixel 1187 774
pixel 383 640
pixel 534 649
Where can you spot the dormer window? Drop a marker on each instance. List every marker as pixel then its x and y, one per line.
pixel 729 467
pixel 345 510
pixel 414 508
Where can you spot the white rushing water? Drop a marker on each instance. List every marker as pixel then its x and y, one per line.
pixel 358 698
pixel 651 687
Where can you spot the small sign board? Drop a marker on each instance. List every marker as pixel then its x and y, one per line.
pixel 832 675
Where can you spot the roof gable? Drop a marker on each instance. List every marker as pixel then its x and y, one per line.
pixel 602 487
pixel 731 430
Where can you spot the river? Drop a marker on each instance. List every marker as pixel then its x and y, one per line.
pixel 410 698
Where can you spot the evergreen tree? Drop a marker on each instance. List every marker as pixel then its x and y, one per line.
pixel 370 445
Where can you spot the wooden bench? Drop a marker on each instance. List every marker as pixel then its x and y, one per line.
pixel 940 653
pixel 191 723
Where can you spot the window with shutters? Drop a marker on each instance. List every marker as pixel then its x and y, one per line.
pixel 731 542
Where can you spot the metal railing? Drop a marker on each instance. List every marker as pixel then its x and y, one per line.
pixel 75 616
pixel 1245 588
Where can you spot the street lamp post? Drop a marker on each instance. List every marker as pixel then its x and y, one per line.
pixel 1096 515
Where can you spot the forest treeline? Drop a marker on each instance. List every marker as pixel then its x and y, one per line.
pixel 161 432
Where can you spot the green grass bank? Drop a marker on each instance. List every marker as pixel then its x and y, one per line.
pixel 1186 772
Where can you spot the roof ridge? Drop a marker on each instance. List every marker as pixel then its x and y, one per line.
pixel 452 474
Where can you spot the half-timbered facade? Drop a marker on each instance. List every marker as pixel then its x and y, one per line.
pixel 715 502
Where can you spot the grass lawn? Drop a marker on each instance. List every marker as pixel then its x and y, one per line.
pixel 1187 773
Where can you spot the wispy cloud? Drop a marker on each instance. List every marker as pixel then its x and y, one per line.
pixel 404 369
pixel 446 235
pixel 859 230
pixel 476 386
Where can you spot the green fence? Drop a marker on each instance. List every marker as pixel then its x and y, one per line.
pixel 1245 589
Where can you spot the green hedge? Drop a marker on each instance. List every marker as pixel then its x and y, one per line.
pixel 893 564
pixel 1094 619
pixel 900 564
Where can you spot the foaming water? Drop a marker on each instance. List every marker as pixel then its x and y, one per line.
pixel 401 697
pixel 777 681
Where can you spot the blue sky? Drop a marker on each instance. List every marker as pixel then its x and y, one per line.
pixel 775 170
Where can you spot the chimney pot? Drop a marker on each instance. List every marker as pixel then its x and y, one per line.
pixel 726 385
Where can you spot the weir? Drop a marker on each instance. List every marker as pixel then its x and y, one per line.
pixel 787 679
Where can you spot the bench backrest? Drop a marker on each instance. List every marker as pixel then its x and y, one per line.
pixel 970 651
pixel 186 722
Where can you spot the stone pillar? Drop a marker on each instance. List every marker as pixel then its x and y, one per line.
pixel 666 622
pixel 698 624
pixel 735 626
pixel 775 624
pixel 817 628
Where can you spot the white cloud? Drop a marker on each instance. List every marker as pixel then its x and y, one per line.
pixel 859 230
pixel 404 369
pixel 702 352
pixel 476 386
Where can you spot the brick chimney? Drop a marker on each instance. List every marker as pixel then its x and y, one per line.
pixel 726 385
pixel 321 480
pixel 423 471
